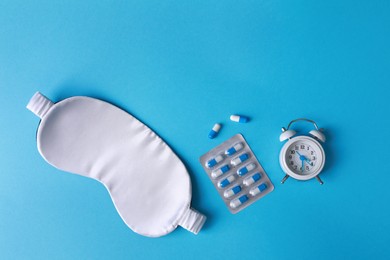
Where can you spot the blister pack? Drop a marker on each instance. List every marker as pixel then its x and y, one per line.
pixel 236 173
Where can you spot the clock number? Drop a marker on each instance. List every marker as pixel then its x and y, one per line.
pixel 307 167
pixel 302 146
pixel 292 162
pixel 290 156
pixel 296 147
pixel 312 152
pixel 313 158
pixel 292 151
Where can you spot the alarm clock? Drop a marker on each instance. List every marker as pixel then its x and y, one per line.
pixel 302 157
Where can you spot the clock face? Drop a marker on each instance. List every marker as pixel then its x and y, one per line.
pixel 302 157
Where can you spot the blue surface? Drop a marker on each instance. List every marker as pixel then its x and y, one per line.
pixel 181 67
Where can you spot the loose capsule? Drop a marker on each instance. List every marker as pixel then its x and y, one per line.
pixel 237 202
pixel 220 171
pixel 226 182
pixel 214 131
pixel 235 148
pixel 258 189
pixel 236 161
pixel 246 169
pixel 214 161
pixel 250 180
pixel 239 119
pixel 232 191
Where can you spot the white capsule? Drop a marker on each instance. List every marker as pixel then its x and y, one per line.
pixel 237 202
pixel 226 182
pixel 239 119
pixel 218 172
pixel 235 148
pixel 232 191
pixel 214 131
pixel 246 169
pixel 236 161
pixel 258 189
pixel 250 180
pixel 214 161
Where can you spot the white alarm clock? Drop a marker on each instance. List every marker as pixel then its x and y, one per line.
pixel 302 157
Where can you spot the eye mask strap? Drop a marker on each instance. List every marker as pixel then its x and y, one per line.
pixel 39 105
pixel 192 220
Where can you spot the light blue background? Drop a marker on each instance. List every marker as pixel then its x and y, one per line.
pixel 181 66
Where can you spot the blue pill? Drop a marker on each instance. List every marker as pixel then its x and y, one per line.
pixel 226 182
pixel 220 171
pixel 239 119
pixel 235 148
pixel 250 180
pixel 262 187
pixel 214 161
pixel 232 191
pixel 214 131
pixel 243 198
pixel 246 169
pixel 237 202
pixel 258 189
pixel 236 161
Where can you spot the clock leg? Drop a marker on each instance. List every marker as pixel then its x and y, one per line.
pixel 319 180
pixel 285 178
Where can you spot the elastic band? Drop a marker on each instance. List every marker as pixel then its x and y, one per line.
pixel 192 221
pixel 39 104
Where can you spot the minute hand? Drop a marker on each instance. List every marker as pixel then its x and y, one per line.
pixel 303 158
pixel 308 161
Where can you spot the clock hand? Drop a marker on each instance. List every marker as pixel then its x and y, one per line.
pixel 303 158
pixel 309 162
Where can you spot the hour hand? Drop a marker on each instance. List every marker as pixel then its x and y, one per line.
pixel 308 161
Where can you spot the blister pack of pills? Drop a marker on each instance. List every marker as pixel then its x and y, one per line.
pixel 236 173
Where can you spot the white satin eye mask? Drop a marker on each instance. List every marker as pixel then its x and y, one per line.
pixel 149 185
